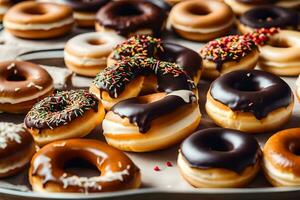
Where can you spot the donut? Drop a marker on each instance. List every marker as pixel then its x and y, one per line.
pixel 268 17
pixel 38 20
pixel 219 158
pixel 228 54
pixel 135 76
pixel 201 20
pixel 16 148
pixel 22 84
pixel 131 17
pixel 250 100
pixel 281 158
pixel 85 11
pixel 86 54
pixel 152 122
pixel 281 53
pixel 241 6
pixel 63 115
pixel 47 172
pixel 148 46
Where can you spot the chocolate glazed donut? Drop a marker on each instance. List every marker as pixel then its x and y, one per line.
pixel 86 6
pixel 270 16
pixel 221 148
pixel 127 17
pixel 252 91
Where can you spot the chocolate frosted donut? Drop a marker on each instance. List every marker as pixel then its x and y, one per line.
pixel 220 148
pixel 252 91
pixel 219 158
pixel 86 6
pixel 130 17
pixel 268 17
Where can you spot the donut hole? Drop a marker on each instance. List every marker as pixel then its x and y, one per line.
pixel 219 144
pixel 280 43
pixel 57 104
pixel 35 11
pixel 199 10
pixel 96 42
pixel 127 10
pixel 79 166
pixel 247 86
pixel 16 78
pixel 294 147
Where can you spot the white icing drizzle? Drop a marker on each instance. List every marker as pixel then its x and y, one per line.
pixel 92 182
pixel 9 132
pixel 186 95
pixel 32 84
pixel 10 66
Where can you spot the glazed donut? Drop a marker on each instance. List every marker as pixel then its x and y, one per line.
pixel 227 54
pixel 22 84
pixel 250 101
pixel 37 20
pixel 16 148
pixel 268 17
pixel 63 115
pixel 241 6
pixel 201 20
pixel 86 54
pixel 281 158
pixel 219 158
pixel 131 17
pixel 148 46
pixel 152 122
pixel 85 11
pixel 131 77
pixel 281 54
pixel 47 173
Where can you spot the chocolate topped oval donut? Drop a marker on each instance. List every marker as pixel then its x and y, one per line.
pixel 128 17
pixel 86 5
pixel 252 91
pixel 220 148
pixel 270 16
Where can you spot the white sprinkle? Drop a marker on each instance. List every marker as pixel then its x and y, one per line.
pixel 120 164
pixel 15 71
pixel 12 65
pixel 17 89
pixel 34 85
pixel 128 166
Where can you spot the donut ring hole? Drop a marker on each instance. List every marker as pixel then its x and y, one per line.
pixel 128 10
pixel 250 83
pixel 40 10
pixel 199 10
pixel 280 43
pixel 219 144
pixel 58 104
pixel 96 42
pixel 294 147
pixel 16 78
pixel 79 165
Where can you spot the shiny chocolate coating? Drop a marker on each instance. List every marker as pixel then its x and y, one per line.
pixel 221 148
pixel 253 91
pixel 126 17
pixel 269 17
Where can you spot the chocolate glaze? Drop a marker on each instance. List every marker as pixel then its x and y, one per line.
pixel 86 6
pixel 190 60
pixel 143 113
pixel 270 16
pixel 257 2
pixel 221 148
pixel 252 91
pixel 129 16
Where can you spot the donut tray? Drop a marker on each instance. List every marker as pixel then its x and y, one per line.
pixel 164 184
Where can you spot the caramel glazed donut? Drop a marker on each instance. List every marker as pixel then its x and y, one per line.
pixel 281 158
pixel 148 46
pixel 201 20
pixel 86 54
pixel 268 17
pixel 37 20
pixel 150 122
pixel 219 158
pixel 227 54
pixel 22 84
pixel 16 148
pixel 117 171
pixel 281 53
pixel 63 115
pixel 250 101
pixel 85 11
pixel 131 17
pixel 241 6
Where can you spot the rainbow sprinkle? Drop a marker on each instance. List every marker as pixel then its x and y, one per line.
pixel 261 36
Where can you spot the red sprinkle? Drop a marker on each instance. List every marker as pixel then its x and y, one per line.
pixel 156 168
pixel 169 164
